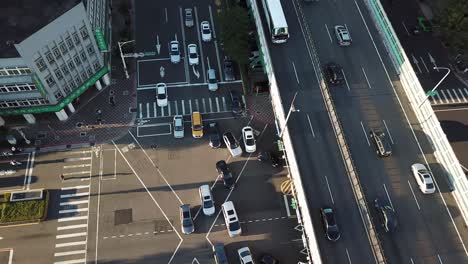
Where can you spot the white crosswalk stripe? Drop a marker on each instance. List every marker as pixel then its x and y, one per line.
pixel 450 96
pixel 184 107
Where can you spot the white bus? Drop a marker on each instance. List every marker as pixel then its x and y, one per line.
pixel 276 21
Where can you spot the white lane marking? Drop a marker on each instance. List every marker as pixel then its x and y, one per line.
pixel 197 105
pixel 75 187
pixel 162 111
pixel 76 173
pixel 200 47
pixel 70 244
pixel 285 198
pixel 190 106
pixel 74 202
pixel 365 134
pixel 76 166
pixel 310 124
pixel 169 108
pixel 329 190
pixel 414 196
pixel 72 227
pixel 73 261
pixel 224 103
pixel 67 253
pixel 31 166
pixel 204 105
pixel 148 110
pixel 176 108
pixel 140 108
pixel 409 124
pixel 75 218
pixel 424 63
pixel 187 76
pixel 155 109
pixel 98 206
pixel 412 262
pixel 349 258
pixel 295 72
pixel 76 210
pixel 328 32
pixel 388 196
pixel 346 80
pixel 71 235
pixel 211 105
pixel 213 30
pixel 165 11
pixel 406 29
pixel 440 259
pixel 77 159
pixel 73 195
pixel 217 104
pixel 152 198
pixel 388 131
pixel 183 107
pixel 367 80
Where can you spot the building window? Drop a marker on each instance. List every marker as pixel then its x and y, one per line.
pixel 50 81
pixel 40 64
pixel 69 43
pixel 56 52
pixel 13 71
pixel 25 71
pixel 58 73
pixel 77 80
pixel 76 38
pixel 71 65
pixel 71 84
pixel 96 65
pixel 83 55
pixel 90 72
pixel 84 76
pixel 84 32
pixel 58 95
pixel 63 47
pixel 50 58
pixel 65 69
pixel 90 49
pixel 77 60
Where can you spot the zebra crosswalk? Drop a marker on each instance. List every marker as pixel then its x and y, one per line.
pixel 450 96
pixel 217 104
pixel 73 212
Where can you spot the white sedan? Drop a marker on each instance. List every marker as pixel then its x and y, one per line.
pixel 161 94
pixel 193 54
pixel 423 178
pixel 206 31
pixel 249 139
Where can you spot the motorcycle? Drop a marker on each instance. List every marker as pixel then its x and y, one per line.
pixel 15 163
pixel 269 156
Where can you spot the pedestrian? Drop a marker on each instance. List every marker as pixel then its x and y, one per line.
pixel 62 177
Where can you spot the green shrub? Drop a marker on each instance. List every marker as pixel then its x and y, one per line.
pixel 23 210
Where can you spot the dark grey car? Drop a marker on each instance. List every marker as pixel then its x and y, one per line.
pixel 229 70
pixel 188 17
pixel 381 143
pixel 186 221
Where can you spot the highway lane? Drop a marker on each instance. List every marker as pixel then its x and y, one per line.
pixel 426 232
pixel 322 169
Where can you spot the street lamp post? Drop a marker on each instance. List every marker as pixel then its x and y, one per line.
pixel 122 56
pixel 291 109
pixel 437 85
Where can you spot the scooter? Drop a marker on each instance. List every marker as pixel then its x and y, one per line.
pixel 15 163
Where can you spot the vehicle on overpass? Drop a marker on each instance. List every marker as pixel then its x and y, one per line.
pixel 276 21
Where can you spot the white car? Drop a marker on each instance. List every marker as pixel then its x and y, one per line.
pixel 423 178
pixel 343 36
pixel 249 139
pixel 230 217
pixel 232 144
pixel 193 54
pixel 245 255
pixel 178 126
pixel 207 200
pixel 205 31
pixel 161 94
pixel 174 51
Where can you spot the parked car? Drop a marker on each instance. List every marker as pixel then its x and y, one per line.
pixel 268 259
pixel 230 217
pixel 219 254
pixel 228 70
pixel 186 221
pixel 223 170
pixel 178 123
pixel 387 216
pixel 332 232
pixel 334 73
pixel 245 256
pixel 237 105
pixel 423 178
pixel 249 139
pixel 188 17
pixel 215 135
pixel 232 144
pixel 197 125
pixel 206 200
pixel 193 54
pixel 212 81
pixel 206 31
pixel 174 51
pixel 161 94
pixel 381 143
pixel 343 36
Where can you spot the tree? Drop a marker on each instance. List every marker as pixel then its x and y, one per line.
pixel 452 22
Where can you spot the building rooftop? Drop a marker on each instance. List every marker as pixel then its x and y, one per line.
pixel 21 18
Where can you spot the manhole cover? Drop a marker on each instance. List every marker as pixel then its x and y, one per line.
pixel 123 216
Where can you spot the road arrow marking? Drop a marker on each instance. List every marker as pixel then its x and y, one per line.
pixel 158 45
pixel 195 260
pixel 415 61
pixel 432 60
pixel 196 72
pixel 162 71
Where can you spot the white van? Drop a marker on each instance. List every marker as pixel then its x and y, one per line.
pixel 206 200
pixel 231 219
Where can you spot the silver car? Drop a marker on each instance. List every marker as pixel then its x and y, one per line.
pixel 186 221
pixel 174 51
pixel 178 126
pixel 188 17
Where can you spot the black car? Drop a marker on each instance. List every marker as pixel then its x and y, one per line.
pixel 381 144
pixel 219 254
pixel 228 70
pixel 330 226
pixel 223 170
pixel 268 259
pixel 215 135
pixel 334 73
pixel 386 215
pixel 237 105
